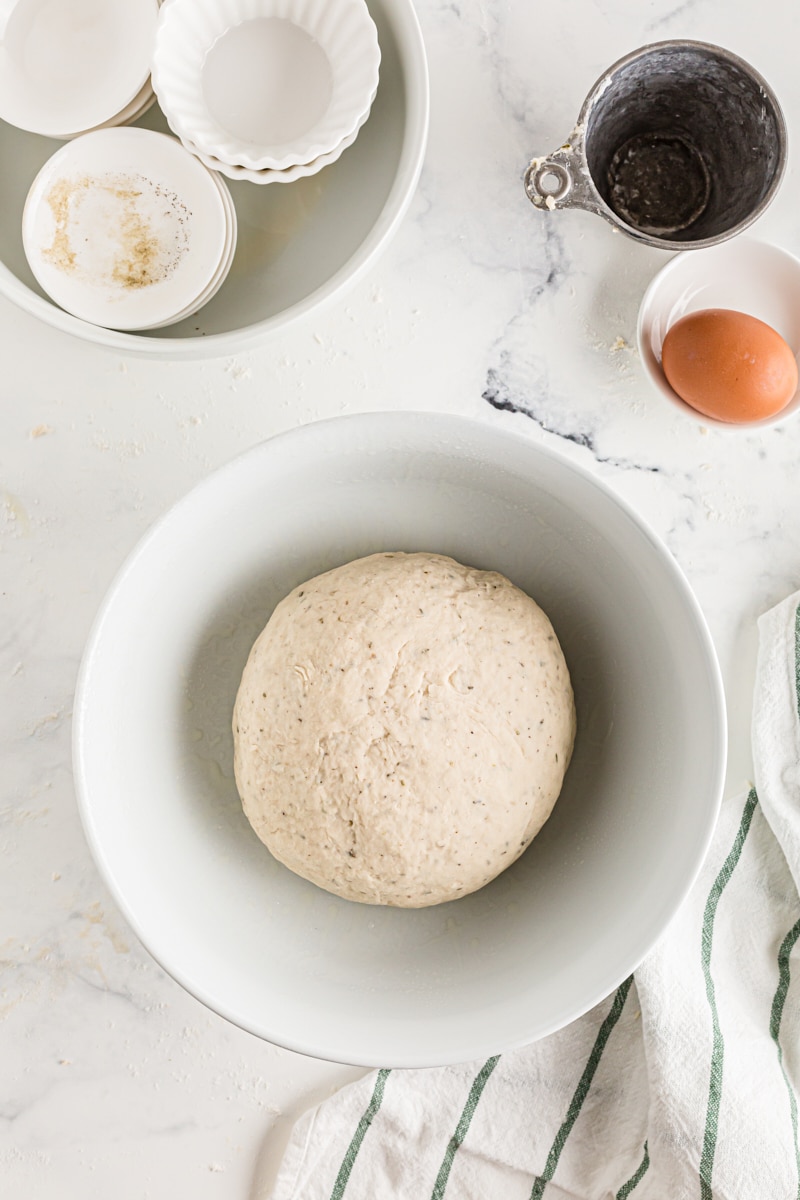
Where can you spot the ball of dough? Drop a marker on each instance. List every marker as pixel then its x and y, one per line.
pixel 402 728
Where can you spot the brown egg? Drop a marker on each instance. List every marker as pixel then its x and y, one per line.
pixel 728 365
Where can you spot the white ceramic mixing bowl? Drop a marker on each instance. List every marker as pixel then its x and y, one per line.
pixel 271 952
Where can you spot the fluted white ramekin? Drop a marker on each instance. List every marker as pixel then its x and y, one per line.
pixel 265 84
pixel 288 175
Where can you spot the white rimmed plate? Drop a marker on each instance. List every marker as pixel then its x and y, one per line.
pixel 71 65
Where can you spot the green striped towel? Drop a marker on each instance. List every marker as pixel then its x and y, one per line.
pixel 681 1084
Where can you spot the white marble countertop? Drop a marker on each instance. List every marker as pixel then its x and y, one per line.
pixel 113 1081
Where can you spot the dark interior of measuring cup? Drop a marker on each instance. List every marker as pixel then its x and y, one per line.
pixel 683 143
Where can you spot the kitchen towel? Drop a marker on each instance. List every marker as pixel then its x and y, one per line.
pixel 682 1084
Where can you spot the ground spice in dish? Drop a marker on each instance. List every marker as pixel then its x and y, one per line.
pixel 120 231
pixel 61 254
pixel 138 263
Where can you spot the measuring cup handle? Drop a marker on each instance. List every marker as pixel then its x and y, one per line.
pixel 561 179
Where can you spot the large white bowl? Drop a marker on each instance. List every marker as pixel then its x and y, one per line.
pixel 361 984
pixel 299 246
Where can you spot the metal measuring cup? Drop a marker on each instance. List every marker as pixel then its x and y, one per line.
pixel 679 144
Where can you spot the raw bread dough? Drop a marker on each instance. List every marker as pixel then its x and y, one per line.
pixel 402 728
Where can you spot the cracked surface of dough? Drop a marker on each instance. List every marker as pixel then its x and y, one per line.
pixel 402 728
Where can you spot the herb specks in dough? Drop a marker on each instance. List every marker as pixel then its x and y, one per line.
pixel 394 712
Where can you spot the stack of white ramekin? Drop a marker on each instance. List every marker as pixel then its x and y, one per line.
pixel 266 90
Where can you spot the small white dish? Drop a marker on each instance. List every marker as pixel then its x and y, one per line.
pixel 69 67
pixel 356 983
pixel 744 274
pixel 265 83
pixel 289 175
pixel 125 228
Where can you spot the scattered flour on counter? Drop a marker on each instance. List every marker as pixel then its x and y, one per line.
pixel 15 515
pixel 26 1158
pixel 727 508
pixel 95 919
pixel 239 371
pixel 125 448
pixel 44 724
